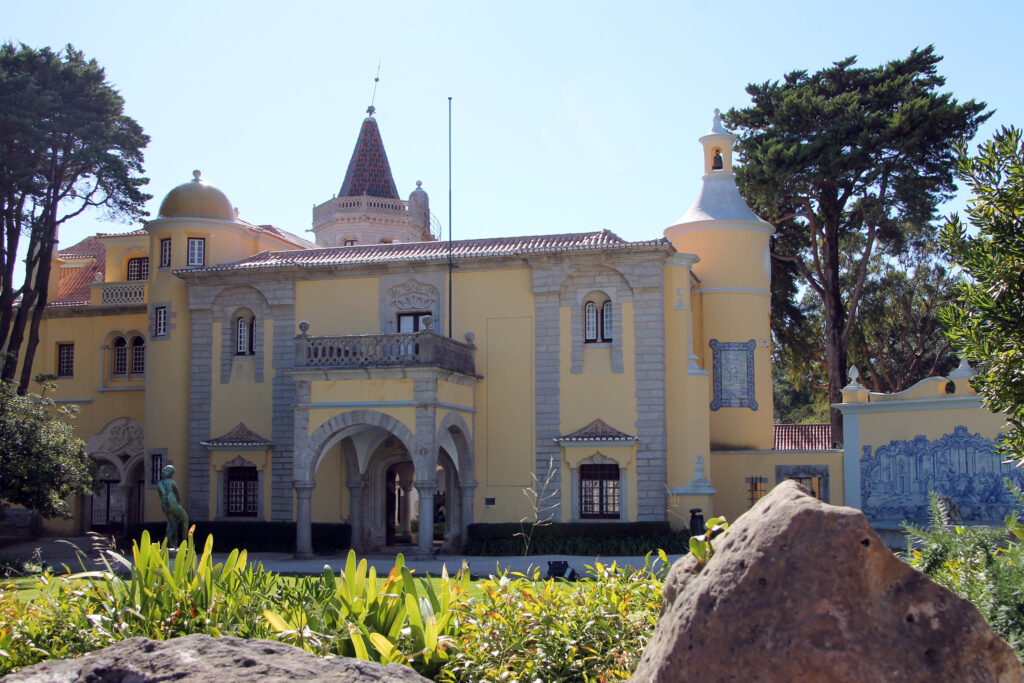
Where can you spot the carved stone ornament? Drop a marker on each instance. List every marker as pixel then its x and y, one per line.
pixel 122 435
pixel 413 295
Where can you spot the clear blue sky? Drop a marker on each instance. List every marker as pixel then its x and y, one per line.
pixel 568 116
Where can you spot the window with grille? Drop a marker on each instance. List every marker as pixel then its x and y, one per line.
pixel 160 321
pixel 138 269
pixel 120 356
pixel 811 483
pixel 156 466
pixel 196 251
pixel 242 494
pixel 599 491
pixel 756 488
pixel 138 356
pixel 65 360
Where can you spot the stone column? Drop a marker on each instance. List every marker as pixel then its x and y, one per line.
pixel 304 519
pixel 426 489
pixel 356 492
pixel 467 488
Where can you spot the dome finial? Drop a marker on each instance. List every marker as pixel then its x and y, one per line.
pixel 196 174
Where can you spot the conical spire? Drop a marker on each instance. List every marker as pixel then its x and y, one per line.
pixel 368 171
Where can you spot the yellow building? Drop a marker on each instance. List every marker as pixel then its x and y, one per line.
pixel 363 380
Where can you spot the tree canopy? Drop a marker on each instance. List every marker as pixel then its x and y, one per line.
pixel 848 163
pixel 986 322
pixel 41 461
pixel 67 145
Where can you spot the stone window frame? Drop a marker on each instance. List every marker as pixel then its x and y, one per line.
pixel 249 303
pixel 589 281
pixel 222 482
pixel 155 461
pixel 412 293
pixel 155 334
pixel 783 472
pixel 110 355
pixel 598 458
pixel 718 351
pixel 604 317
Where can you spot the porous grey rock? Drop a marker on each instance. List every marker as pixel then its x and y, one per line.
pixel 202 658
pixel 798 590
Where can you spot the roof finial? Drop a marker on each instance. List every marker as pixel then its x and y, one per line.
pixel 716 123
pixel 195 175
pixel 376 80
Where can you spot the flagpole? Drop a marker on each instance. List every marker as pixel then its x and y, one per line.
pixel 450 218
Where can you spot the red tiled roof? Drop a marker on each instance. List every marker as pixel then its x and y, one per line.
pixel 73 289
pixel 598 430
pixel 285 235
pixel 239 437
pixel 368 170
pixel 430 251
pixel 133 233
pixel 806 437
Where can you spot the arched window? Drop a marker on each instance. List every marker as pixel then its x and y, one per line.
pixel 120 356
pixel 245 330
pixel 597 319
pixel 717 161
pixel 138 355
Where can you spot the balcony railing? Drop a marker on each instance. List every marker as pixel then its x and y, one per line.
pixel 358 206
pixel 120 293
pixel 384 351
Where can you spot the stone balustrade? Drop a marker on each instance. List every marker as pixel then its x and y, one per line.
pixel 358 206
pixel 120 293
pixel 423 348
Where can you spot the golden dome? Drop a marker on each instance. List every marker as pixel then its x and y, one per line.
pixel 196 199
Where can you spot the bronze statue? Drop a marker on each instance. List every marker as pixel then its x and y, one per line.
pixel 170 503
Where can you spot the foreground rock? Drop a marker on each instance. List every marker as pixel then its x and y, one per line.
pixel 798 590
pixel 202 658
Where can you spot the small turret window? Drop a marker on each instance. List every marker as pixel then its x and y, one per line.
pixel 717 162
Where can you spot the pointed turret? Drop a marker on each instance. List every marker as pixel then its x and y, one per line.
pixel 368 171
pixel 368 208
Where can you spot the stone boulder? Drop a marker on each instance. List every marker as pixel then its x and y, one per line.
pixel 202 658
pixel 798 590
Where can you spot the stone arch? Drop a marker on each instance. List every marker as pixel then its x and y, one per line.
pixel 225 309
pixel 332 431
pixel 120 445
pixel 454 426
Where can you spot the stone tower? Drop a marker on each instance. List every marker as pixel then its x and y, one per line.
pixel 368 209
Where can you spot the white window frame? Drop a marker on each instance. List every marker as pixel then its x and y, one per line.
pixel 196 251
pixel 606 321
pixel 244 329
pixel 138 269
pixel 160 321
pixel 119 365
pixel 138 362
pixel 165 252
pixel 590 322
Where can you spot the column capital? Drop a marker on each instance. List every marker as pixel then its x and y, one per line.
pixel 304 486
pixel 430 484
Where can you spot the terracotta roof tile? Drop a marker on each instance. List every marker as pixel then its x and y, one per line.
pixel 804 437
pixel 133 233
pixel 598 430
pixel 285 235
pixel 73 289
pixel 239 437
pixel 369 172
pixel 333 257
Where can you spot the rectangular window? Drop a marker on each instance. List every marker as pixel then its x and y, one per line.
pixel 120 356
pixel 196 251
pixel 160 321
pixel 606 321
pixel 138 269
pixel 138 356
pixel 65 360
pixel 156 464
pixel 242 485
pixel 165 252
pixel 755 489
pixel 599 491
pixel 412 322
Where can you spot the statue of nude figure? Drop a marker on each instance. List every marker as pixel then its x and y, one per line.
pixel 170 503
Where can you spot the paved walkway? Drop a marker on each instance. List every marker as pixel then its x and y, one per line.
pixel 58 553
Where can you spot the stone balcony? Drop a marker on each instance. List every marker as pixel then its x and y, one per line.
pixel 358 351
pixel 119 293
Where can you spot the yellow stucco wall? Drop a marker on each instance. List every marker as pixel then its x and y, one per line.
pixel 340 306
pixel 732 469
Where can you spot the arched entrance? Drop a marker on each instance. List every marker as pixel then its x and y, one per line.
pixel 118 499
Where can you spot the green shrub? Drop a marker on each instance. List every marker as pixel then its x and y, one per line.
pixel 611 538
pixel 982 565
pixel 160 596
pixel 524 629
pixel 253 536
